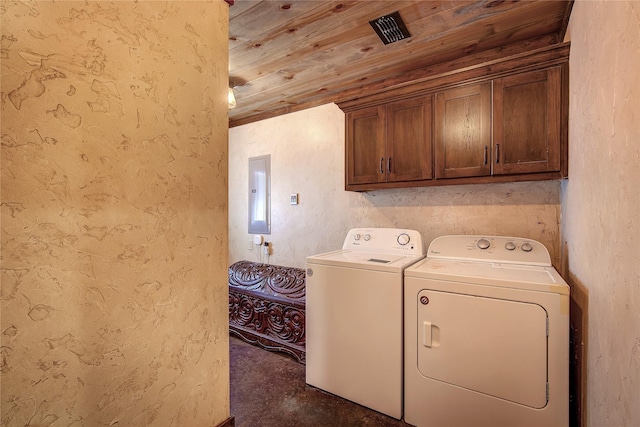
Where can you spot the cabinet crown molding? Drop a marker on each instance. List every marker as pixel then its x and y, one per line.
pixel 443 77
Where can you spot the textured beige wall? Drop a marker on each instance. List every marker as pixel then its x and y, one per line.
pixel 601 201
pixel 307 157
pixel 114 217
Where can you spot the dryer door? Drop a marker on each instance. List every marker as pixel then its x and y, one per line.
pixel 492 346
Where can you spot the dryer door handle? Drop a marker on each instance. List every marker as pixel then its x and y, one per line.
pixel 430 335
pixel 427 336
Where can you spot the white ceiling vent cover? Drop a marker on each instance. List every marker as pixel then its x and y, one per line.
pixel 390 28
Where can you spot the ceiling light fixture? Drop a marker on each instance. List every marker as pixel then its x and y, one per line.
pixel 231 98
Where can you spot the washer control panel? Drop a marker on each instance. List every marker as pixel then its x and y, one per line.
pixel 497 249
pixel 386 240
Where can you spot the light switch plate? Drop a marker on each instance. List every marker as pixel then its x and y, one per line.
pixel 294 198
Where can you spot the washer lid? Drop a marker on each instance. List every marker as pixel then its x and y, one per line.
pixel 378 261
pixel 517 276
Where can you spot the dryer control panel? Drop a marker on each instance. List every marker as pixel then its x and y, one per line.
pixel 497 249
pixel 385 240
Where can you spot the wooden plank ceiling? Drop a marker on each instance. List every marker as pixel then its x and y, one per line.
pixel 286 56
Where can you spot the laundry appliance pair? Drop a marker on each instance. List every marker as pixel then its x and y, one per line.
pixel 473 333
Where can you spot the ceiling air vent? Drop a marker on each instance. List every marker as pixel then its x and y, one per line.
pixel 390 28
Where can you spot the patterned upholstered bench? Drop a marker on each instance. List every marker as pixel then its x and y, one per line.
pixel 267 306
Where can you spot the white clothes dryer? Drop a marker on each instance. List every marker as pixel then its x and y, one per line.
pixel 354 317
pixel 486 335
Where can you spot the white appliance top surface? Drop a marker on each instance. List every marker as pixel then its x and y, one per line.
pixel 493 266
pixel 380 249
pixel 366 260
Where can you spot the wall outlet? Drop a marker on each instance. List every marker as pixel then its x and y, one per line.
pixel 250 243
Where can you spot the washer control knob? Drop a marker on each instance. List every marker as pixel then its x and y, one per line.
pixel 367 237
pixel 356 237
pixel 403 239
pixel 526 246
pixel 510 246
pixel 483 244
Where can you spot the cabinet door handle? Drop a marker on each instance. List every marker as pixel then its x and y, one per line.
pixel 486 154
pixel 497 153
pixel 389 165
pixel 381 163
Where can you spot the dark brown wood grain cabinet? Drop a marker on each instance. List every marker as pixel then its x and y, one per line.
pixel 497 122
pixel 389 143
pixel 526 122
pixel 522 112
pixel 409 140
pixel 365 146
pixel 463 132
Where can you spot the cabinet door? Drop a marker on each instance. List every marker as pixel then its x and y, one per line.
pixel 526 122
pixel 409 149
pixel 463 131
pixel 365 147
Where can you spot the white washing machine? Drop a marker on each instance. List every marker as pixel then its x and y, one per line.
pixel 486 335
pixel 354 317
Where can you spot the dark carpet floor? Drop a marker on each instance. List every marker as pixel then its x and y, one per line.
pixel 268 390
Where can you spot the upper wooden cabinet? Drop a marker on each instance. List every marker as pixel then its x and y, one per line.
pixel 526 122
pixel 524 117
pixel 390 143
pixel 463 131
pixel 499 122
pixel 365 146
pixel 409 140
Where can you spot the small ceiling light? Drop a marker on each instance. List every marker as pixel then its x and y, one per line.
pixel 231 98
pixel 390 28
